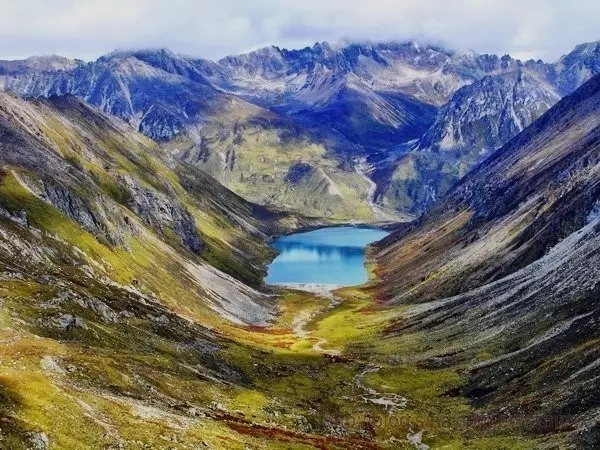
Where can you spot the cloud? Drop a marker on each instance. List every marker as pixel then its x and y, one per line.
pixel 214 28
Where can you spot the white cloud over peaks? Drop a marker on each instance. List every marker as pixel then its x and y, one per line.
pixel 214 28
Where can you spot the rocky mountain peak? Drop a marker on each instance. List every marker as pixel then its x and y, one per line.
pixel 50 62
pixel 323 48
pixel 485 114
pixel 587 49
pixel 576 67
pixel 42 63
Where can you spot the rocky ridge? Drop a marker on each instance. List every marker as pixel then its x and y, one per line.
pixel 512 248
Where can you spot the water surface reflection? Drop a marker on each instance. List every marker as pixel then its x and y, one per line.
pixel 325 256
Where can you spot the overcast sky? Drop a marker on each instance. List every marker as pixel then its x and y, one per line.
pixel 212 29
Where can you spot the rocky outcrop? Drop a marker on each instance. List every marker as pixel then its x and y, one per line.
pixel 162 213
pixel 93 216
pixel 484 115
pixel 298 171
pixel 575 68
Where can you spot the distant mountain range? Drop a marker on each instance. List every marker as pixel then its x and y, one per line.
pixel 382 130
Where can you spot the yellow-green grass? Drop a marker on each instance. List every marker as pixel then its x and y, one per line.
pixel 262 160
pixel 136 380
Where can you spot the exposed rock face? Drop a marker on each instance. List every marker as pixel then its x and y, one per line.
pixel 50 364
pixel 67 322
pixel 510 100
pixel 39 441
pixel 298 172
pixel 105 312
pixel 484 115
pixel 92 218
pixel 478 119
pixel 575 68
pixel 38 64
pixel 161 213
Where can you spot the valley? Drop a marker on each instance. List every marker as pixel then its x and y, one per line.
pixel 274 387
pixel 182 263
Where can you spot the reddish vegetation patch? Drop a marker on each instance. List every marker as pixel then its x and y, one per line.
pixel 243 426
pixel 281 434
pixel 267 330
pixel 283 344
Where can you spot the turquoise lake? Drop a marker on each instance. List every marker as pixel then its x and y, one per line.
pixel 334 255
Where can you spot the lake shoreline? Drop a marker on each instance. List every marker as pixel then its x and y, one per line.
pixel 324 290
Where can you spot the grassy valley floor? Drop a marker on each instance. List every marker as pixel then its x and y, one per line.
pixel 323 375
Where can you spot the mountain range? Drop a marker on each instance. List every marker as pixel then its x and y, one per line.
pixel 133 308
pixel 348 115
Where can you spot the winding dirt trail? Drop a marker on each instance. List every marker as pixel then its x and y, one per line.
pixel 390 401
pixel 303 318
pixel 318 347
